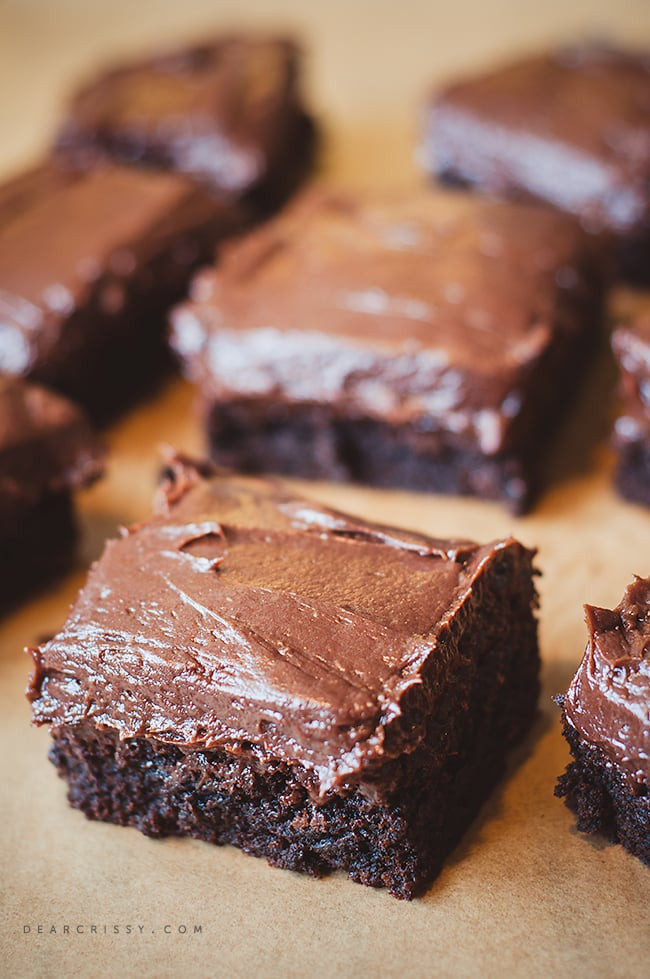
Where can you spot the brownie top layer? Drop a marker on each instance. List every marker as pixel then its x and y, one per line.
pixel 426 306
pixel 591 104
pixel 217 110
pixel 68 240
pixel 244 618
pixel 46 446
pixel 631 346
pixel 608 701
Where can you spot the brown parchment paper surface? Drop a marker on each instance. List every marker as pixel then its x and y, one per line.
pixel 524 894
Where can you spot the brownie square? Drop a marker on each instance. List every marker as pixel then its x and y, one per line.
pixel 89 265
pixel 606 713
pixel 227 112
pixel 47 450
pixel 430 341
pixel 570 127
pixel 631 346
pixel 249 667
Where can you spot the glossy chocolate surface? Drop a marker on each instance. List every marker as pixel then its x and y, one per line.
pixel 243 618
pixel 221 111
pixel 608 701
pixel 571 127
pixel 432 308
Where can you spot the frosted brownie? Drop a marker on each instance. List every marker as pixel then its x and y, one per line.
pixel 570 127
pixel 631 346
pixel 89 265
pixel 227 112
pixel 430 341
pixel 250 667
pixel 607 724
pixel 47 450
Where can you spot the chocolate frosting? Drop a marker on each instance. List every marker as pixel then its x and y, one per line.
pixel 243 618
pixel 430 308
pixel 46 447
pixel 631 345
pixel 66 240
pixel 570 126
pixel 608 701
pixel 219 111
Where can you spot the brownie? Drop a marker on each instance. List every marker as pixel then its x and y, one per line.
pixel 89 265
pixel 47 450
pixel 227 112
pixel 631 346
pixel 606 715
pixel 250 667
pixel 428 340
pixel 570 127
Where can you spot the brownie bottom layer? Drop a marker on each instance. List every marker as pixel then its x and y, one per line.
pixel 421 804
pixel 633 473
pixel 37 545
pixel 309 441
pixel 602 798
pixel 163 791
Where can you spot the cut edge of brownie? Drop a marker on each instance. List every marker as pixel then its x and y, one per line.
pixel 315 442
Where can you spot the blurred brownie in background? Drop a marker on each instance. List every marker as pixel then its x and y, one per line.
pixel 571 127
pixel 47 450
pixel 89 265
pixel 227 112
pixel 631 345
pixel 429 341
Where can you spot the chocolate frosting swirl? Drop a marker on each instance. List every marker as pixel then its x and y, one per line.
pixel 608 701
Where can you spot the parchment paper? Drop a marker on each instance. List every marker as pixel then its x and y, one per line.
pixel 524 894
